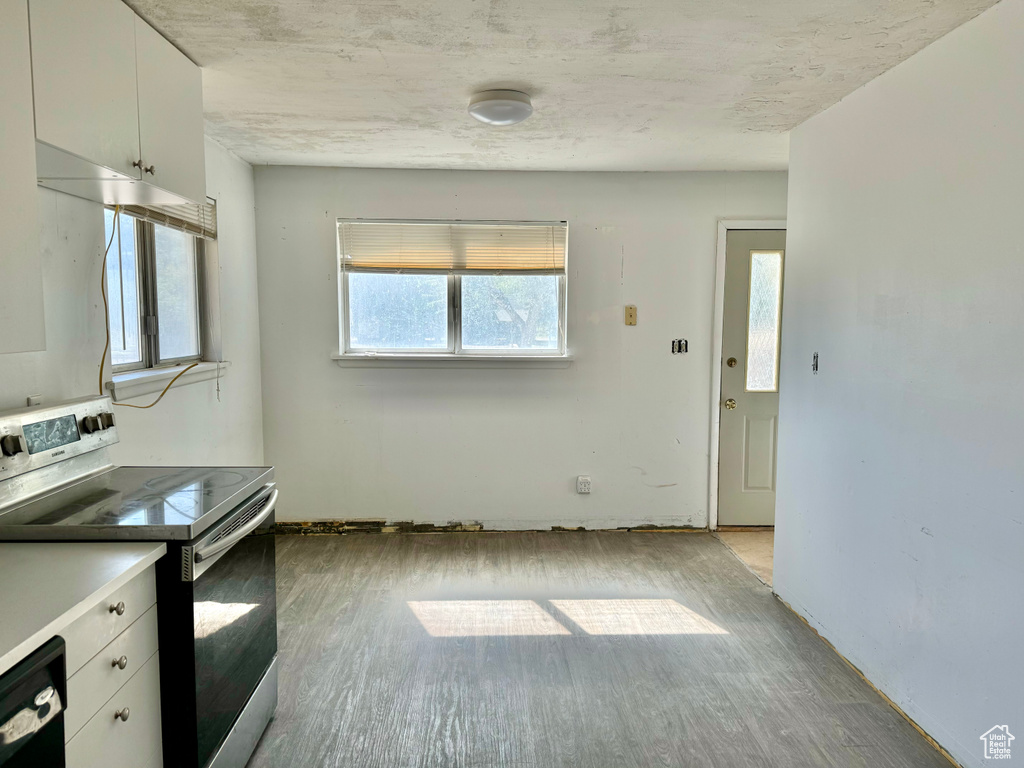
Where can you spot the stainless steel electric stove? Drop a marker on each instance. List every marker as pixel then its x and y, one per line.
pixel 216 596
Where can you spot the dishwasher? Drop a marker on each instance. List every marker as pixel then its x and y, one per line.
pixel 33 695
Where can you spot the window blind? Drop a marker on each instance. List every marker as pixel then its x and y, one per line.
pixel 440 246
pixel 194 218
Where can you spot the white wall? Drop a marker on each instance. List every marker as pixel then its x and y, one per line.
pixel 900 520
pixel 502 446
pixel 190 425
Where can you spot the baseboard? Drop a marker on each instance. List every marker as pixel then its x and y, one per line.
pixel 338 527
pixel 935 745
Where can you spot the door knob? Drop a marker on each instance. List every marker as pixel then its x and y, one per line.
pixel 730 404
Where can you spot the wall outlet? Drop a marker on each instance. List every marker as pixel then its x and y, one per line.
pixel 583 484
pixel 34 400
pixel 631 314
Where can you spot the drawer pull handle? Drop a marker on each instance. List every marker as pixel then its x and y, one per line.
pixel 120 663
pixel 122 715
pixel 118 609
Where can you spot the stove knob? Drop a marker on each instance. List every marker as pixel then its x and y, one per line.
pixel 106 420
pixel 11 445
pixel 91 424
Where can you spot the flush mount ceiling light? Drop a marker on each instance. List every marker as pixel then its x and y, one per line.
pixel 500 107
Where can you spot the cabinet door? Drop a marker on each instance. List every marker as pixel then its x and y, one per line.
pixel 21 301
pixel 83 64
pixel 170 116
pixel 123 742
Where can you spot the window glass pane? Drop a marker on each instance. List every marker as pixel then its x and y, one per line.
pixel 177 298
pixel 510 312
pixel 122 290
pixel 389 311
pixel 763 321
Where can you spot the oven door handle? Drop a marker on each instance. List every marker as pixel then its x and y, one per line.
pixel 229 541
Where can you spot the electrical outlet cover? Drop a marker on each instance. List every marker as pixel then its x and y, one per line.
pixel 583 484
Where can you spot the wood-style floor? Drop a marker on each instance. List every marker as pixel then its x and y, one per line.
pixel 589 650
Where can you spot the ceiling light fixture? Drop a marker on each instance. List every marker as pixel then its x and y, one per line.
pixel 500 107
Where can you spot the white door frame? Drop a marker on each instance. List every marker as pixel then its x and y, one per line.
pixel 724 225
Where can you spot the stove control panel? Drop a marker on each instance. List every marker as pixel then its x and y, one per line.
pixel 31 438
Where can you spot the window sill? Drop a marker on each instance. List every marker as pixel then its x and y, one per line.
pixel 452 361
pixel 125 386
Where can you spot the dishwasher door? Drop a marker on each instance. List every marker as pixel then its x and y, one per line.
pixel 33 696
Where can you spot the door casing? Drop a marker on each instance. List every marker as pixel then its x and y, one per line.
pixel 724 225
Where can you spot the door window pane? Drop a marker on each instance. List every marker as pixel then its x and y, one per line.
pixel 510 312
pixel 397 311
pixel 176 296
pixel 122 290
pixel 763 318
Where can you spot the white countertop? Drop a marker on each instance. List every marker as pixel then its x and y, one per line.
pixel 45 587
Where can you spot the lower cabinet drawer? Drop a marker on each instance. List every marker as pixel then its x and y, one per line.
pixel 108 618
pixel 108 670
pixel 107 741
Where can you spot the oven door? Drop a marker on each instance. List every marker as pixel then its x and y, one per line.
pixel 234 607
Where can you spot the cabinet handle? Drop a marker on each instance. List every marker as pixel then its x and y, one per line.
pixel 120 663
pixel 137 164
pixel 118 609
pixel 150 169
pixel 122 715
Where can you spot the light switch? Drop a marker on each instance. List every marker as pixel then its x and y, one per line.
pixel 631 314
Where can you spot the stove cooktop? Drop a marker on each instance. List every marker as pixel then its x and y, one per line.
pixel 136 503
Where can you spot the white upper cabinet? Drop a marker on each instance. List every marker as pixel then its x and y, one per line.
pixel 119 110
pixel 21 299
pixel 83 71
pixel 170 115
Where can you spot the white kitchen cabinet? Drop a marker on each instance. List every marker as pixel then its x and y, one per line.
pixel 71 590
pixel 132 737
pixel 170 115
pixel 83 74
pixel 104 674
pixel 119 110
pixel 22 323
pixel 107 618
pixel 119 627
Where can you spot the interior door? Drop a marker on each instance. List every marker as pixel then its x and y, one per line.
pixel 754 262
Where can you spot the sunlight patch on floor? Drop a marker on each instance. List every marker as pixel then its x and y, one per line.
pixel 636 617
pixel 482 618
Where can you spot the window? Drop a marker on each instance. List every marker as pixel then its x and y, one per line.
pixel 154 284
pixel 763 321
pixel 451 289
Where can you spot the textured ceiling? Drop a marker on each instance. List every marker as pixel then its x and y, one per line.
pixel 616 84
